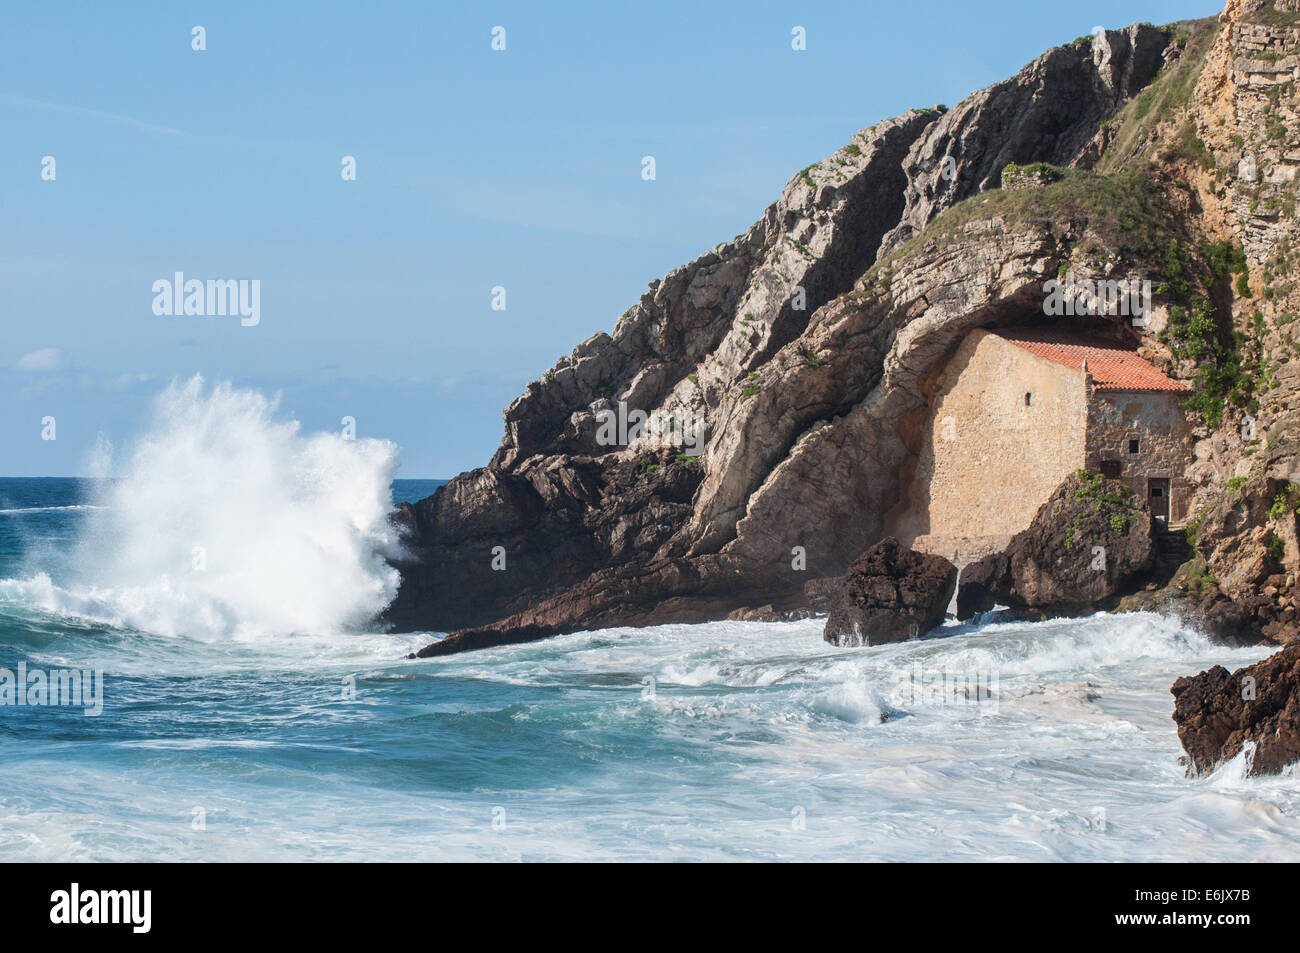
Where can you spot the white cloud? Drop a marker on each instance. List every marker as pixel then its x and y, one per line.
pixel 123 381
pixel 43 361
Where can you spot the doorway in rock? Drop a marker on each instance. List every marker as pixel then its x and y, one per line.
pixel 1158 498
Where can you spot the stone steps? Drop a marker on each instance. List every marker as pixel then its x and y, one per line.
pixel 1172 550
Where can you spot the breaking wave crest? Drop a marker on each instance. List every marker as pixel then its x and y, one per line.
pixel 227 522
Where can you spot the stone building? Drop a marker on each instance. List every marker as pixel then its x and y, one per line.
pixel 1015 411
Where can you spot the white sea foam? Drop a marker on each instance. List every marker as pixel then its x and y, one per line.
pixel 229 523
pixel 727 740
pixel 20 510
pixel 685 742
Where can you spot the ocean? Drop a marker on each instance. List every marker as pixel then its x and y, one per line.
pixel 223 584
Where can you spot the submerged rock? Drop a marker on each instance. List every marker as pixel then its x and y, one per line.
pixel 890 593
pixel 1256 707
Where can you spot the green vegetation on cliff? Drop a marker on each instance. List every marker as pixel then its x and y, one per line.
pixel 1267 16
pixel 1169 92
pixel 1231 366
pixel 1286 501
pixel 1114 503
pixel 1122 210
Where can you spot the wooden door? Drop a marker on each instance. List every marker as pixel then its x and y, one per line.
pixel 1158 498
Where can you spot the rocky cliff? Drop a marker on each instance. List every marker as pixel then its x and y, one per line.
pixel 805 348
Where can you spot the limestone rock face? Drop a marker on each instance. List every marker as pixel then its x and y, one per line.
pixel 890 594
pixel 1219 714
pixel 1087 544
pixel 1049 112
pixel 725 313
pixel 797 348
pixel 1236 533
pixel 805 348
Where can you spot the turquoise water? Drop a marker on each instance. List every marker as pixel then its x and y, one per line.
pixel 735 741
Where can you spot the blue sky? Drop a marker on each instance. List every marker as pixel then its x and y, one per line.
pixel 475 168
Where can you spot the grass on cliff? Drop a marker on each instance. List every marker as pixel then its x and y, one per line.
pixel 1122 209
pixel 1125 205
pixel 1267 16
pixel 1285 502
pixel 1168 93
pixel 1116 198
pixel 1232 367
pixel 1126 212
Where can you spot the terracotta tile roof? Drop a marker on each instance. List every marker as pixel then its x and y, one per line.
pixel 1113 366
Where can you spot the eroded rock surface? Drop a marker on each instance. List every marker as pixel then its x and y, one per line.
pixel 1256 707
pixel 890 594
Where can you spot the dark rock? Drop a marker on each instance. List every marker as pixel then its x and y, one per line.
pixel 1218 714
pixel 890 593
pixel 980 583
pixel 1234 534
pixel 1091 542
pixel 706 589
pixel 1249 544
pixel 556 524
pixel 1190 592
pixel 1200 605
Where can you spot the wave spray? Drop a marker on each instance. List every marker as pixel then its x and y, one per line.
pixel 226 522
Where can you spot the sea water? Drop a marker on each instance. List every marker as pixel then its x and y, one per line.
pixel 223 581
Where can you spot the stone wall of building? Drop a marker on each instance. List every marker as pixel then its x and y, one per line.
pixel 988 459
pixel 1164 442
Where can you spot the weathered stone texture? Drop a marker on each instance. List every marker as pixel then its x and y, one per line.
pixel 890 594
pixel 987 458
pixel 1165 436
pixel 1086 545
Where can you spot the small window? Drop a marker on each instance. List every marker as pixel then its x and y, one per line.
pixel 1157 491
pixel 1132 446
pixel 1110 469
pixel 1029 399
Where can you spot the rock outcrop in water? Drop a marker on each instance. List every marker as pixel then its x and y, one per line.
pixel 1255 708
pixel 806 348
pixel 1089 543
pixel 890 594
